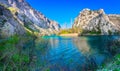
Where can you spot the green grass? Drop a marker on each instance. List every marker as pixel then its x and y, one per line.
pixel 8 42
pixel 22 58
pixel 12 56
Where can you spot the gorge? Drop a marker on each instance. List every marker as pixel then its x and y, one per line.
pixel 29 41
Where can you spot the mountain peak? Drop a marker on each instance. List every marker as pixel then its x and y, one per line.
pixel 87 10
pixel 95 20
pixel 101 11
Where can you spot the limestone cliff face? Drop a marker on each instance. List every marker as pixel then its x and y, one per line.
pixel 115 19
pixel 95 22
pixel 8 24
pixel 30 18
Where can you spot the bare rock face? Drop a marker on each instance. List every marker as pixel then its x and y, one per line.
pixel 30 18
pixel 21 0
pixel 95 22
pixel 8 24
pixel 115 19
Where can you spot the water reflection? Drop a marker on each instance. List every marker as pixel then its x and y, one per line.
pixel 82 45
pixel 58 53
pixel 79 53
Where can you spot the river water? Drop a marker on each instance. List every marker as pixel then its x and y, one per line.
pixel 55 53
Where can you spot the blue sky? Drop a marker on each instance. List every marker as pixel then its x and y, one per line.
pixel 63 11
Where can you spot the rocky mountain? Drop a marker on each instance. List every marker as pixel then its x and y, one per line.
pixel 97 22
pixel 115 19
pixel 19 12
pixel 8 24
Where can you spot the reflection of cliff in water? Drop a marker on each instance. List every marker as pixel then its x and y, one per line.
pixel 82 44
pixel 104 44
pixel 95 43
pixel 96 49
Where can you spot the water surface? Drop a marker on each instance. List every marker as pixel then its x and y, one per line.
pixel 73 53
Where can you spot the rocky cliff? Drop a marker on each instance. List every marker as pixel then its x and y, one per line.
pixel 115 19
pixel 97 22
pixel 27 17
pixel 8 24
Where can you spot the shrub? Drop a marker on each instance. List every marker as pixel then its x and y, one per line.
pixel 12 55
pixel 22 58
pixel 72 30
pixel 64 32
pixel 8 43
pixel 12 10
pixel 109 32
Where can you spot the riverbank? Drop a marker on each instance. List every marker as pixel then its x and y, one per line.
pixel 76 34
pixel 70 34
